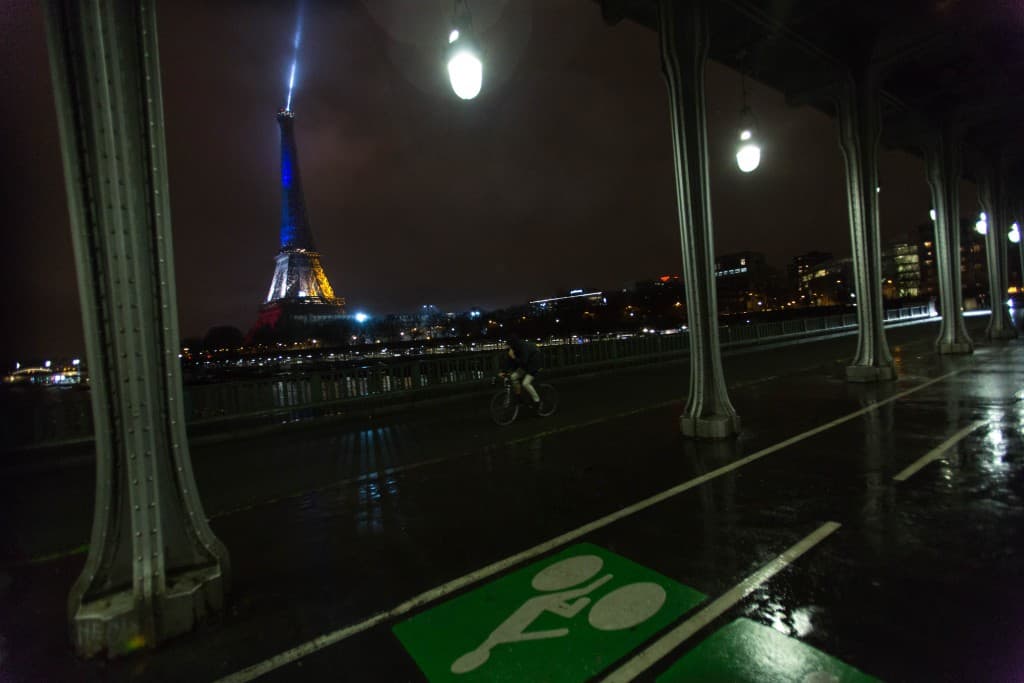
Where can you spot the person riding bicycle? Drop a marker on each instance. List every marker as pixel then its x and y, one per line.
pixel 522 365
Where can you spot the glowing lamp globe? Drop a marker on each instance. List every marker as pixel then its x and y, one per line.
pixel 466 73
pixel 1014 233
pixel 748 156
pixel 465 70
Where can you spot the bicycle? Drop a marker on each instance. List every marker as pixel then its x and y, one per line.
pixel 505 403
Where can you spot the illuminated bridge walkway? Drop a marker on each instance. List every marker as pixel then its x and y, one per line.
pixel 852 533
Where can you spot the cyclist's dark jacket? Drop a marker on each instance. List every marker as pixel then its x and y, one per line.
pixel 528 357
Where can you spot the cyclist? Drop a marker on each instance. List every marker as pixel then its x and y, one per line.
pixel 522 365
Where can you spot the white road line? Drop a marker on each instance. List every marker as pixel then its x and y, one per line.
pixel 938 451
pixel 320 642
pixel 677 636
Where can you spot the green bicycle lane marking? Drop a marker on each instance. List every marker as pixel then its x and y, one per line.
pixel 748 652
pixel 562 619
pixel 572 615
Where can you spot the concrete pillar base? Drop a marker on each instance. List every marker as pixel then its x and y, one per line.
pixel 714 427
pixel 1005 333
pixel 116 626
pixel 870 373
pixel 953 348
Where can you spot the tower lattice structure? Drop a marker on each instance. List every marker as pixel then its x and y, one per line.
pixel 298 274
pixel 300 297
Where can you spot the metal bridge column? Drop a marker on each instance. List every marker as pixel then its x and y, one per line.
pixel 1017 216
pixel 992 191
pixel 942 157
pixel 683 37
pixel 154 566
pixel 859 131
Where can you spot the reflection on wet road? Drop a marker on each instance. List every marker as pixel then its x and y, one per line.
pixel 413 519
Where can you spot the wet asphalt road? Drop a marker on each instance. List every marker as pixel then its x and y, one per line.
pixel 329 526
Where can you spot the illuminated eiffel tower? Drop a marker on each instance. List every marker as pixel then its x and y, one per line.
pixel 301 302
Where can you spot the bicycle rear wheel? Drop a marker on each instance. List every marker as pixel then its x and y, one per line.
pixel 504 407
pixel 548 400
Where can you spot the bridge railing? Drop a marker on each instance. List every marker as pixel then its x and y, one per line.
pixel 65 416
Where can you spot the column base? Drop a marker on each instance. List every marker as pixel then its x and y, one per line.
pixel 953 348
pixel 713 427
pixel 114 624
pixel 870 373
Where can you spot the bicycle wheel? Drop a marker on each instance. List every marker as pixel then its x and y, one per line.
pixel 548 400
pixel 504 407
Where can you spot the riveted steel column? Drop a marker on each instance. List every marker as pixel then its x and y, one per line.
pixel 154 566
pixel 992 191
pixel 942 158
pixel 683 38
pixel 859 131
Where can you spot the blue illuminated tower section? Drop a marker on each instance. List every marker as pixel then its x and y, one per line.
pixel 295 232
pixel 298 275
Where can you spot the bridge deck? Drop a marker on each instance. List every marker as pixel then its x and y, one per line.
pixel 328 527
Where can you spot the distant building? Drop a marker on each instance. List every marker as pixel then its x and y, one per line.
pixel 829 284
pixel 663 297
pixel 973 264
pixel 572 300
pixel 910 266
pixel 742 281
pixel 901 268
pixel 803 267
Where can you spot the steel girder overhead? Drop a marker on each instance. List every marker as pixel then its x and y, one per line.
pixel 938 62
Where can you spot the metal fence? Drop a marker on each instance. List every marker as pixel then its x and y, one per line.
pixel 65 416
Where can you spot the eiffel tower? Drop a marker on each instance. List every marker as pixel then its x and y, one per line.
pixel 300 303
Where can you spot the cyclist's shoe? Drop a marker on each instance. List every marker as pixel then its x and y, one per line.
pixel 535 407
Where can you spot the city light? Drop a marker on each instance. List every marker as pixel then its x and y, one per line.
pixel 361 317
pixel 981 227
pixel 931 212
pixel 1014 233
pixel 76 362
pixel 47 364
pixel 465 70
pixel 748 156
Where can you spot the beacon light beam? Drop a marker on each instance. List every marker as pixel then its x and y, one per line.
pixel 291 86
pixel 295 57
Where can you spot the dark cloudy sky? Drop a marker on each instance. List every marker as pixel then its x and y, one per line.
pixel 559 175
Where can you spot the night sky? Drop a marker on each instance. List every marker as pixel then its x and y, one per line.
pixel 559 175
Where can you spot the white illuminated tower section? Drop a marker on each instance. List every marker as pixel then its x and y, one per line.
pixel 300 293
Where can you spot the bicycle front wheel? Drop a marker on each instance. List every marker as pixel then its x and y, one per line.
pixel 548 400
pixel 504 408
